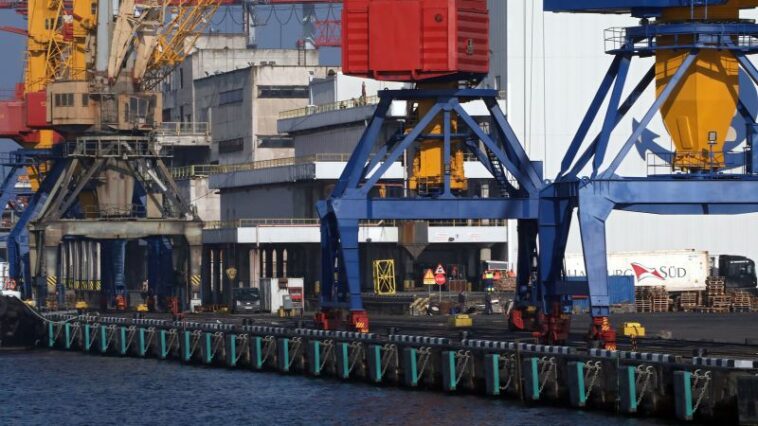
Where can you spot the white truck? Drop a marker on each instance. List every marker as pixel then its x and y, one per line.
pixel 677 270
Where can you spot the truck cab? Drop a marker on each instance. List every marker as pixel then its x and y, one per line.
pixel 738 272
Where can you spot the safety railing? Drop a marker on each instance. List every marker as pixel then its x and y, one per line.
pixel 309 222
pixel 672 36
pixel 662 163
pixel 215 169
pixel 336 106
pixel 183 128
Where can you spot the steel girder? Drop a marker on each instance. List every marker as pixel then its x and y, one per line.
pixel 352 201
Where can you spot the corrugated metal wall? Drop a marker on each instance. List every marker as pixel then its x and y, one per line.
pixel 555 63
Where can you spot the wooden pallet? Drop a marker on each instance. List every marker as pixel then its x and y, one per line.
pixel 689 300
pixel 742 301
pixel 643 305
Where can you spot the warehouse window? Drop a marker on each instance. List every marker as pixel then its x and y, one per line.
pixel 230 145
pixel 289 92
pixel 275 141
pixel 230 97
pixel 85 99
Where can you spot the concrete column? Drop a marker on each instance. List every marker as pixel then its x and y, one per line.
pixel 50 275
pixel 255 266
pixel 195 268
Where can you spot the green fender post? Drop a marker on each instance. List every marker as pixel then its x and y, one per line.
pixel 163 342
pixel 283 354
pixel 230 346
pixel 256 352
pixel 343 360
pixel 410 367
pixel 207 348
pixel 683 395
pixel 142 342
pixel 374 357
pixel 103 339
pixel 186 346
pixel 50 334
pixel 492 374
pixel 449 375
pixel 87 338
pixel 314 357
pixel 122 341
pixel 628 389
pixel 67 334
pixel 577 389
pixel 531 376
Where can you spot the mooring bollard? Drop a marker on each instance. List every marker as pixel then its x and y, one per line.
pixel 492 374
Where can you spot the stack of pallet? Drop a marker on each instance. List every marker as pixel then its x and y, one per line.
pixel 660 298
pixel 715 295
pixel 642 300
pixel 651 299
pixel 741 301
pixel 689 301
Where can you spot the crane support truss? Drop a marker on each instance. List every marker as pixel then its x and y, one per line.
pixel 708 192
pixel 353 200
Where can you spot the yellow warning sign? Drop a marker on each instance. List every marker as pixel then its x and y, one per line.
pixel 429 277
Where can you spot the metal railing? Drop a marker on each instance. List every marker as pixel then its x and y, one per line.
pixel 336 106
pixel 664 163
pixel 312 222
pixel 203 170
pixel 661 36
pixel 181 128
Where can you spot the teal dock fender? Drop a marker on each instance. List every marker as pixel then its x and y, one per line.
pixel 628 389
pixel 492 374
pixel 374 361
pixel 576 384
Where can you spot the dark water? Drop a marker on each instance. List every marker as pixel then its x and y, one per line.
pixel 58 388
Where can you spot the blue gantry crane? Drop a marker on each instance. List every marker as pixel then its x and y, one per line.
pixel 699 48
pixel 437 134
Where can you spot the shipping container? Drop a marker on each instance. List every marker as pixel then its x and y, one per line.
pixel 620 291
pixel 440 38
pixel 677 270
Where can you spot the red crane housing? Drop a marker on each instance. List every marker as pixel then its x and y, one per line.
pixel 440 39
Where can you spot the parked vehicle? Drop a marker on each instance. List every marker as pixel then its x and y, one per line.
pixel 246 300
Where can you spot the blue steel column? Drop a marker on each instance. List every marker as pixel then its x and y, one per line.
pixel 350 264
pixel 593 211
pixel 556 208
